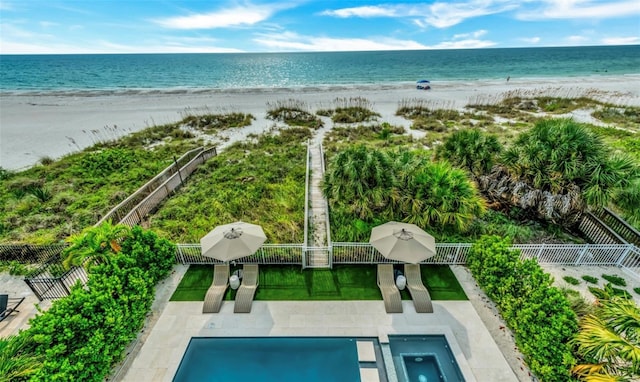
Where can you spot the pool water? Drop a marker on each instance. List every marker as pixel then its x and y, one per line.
pixel 270 359
pixel 425 358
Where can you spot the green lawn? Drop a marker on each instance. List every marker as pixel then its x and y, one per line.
pixel 343 282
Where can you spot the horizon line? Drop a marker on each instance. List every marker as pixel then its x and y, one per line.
pixel 314 51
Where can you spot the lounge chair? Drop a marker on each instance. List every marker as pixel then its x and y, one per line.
pixel 213 299
pixel 419 293
pixel 9 305
pixel 388 288
pixel 246 291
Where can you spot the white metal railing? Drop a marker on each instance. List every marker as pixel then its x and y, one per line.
pixel 626 256
pixel 267 254
pixel 306 200
pixel 326 210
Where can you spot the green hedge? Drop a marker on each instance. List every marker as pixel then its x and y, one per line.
pixel 537 313
pixel 83 335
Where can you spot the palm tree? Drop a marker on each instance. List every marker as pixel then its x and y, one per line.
pixel 557 154
pixel 361 180
pixel 438 195
pixel 470 149
pixel 95 244
pixel 609 342
pixel 17 363
pixel 628 199
pixel 557 169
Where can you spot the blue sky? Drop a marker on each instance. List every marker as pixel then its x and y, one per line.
pixel 152 26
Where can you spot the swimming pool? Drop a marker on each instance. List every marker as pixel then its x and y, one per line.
pixel 267 359
pixel 424 358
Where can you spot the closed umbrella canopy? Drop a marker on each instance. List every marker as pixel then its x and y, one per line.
pixel 403 242
pixel 232 241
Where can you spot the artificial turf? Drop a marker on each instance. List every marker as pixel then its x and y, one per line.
pixel 343 282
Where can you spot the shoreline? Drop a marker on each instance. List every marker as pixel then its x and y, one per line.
pixel 38 125
pixel 364 86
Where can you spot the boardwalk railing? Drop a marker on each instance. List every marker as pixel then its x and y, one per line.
pixel 307 181
pixel 135 208
pixel 621 227
pixel 597 231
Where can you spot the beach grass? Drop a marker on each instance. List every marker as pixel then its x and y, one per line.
pixel 260 181
pixel 342 283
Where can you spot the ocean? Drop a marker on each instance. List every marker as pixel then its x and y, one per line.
pixel 139 73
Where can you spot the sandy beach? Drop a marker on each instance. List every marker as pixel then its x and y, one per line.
pixel 38 125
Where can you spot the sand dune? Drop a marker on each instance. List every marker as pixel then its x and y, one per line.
pixel 37 125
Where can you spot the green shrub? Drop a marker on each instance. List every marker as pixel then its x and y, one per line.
pixel 83 335
pixel 590 279
pixel 571 280
pixel 538 313
pixel 637 290
pixel 615 280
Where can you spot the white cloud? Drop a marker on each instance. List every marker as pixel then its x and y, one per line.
pixel 620 40
pixel 5 6
pixel 438 14
pixel 10 47
pixel 289 41
pixel 576 39
pixel 582 9
pixel 364 11
pixel 531 40
pixel 464 44
pixel 171 46
pixel 476 34
pixel 231 17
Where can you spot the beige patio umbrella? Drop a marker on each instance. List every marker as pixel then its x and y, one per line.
pixel 403 242
pixel 232 241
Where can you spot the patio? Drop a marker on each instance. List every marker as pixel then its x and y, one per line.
pixel 163 344
pixel 160 356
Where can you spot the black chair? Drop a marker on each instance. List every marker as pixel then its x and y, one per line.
pixel 9 305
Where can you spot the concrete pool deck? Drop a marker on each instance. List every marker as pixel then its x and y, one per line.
pixel 160 356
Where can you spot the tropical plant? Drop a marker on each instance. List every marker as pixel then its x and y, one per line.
pixel 557 169
pixel 608 342
pixel 470 149
pixel 17 362
pixel 559 154
pixel 360 180
pixel 82 335
pixel 628 200
pixel 438 195
pixel 366 186
pixel 95 244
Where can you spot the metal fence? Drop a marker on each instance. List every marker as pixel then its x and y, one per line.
pixel 30 254
pixel 52 280
pixel 118 212
pixel 597 231
pixel 133 209
pixel 149 203
pixel 626 256
pixel 621 227
pixel 267 254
